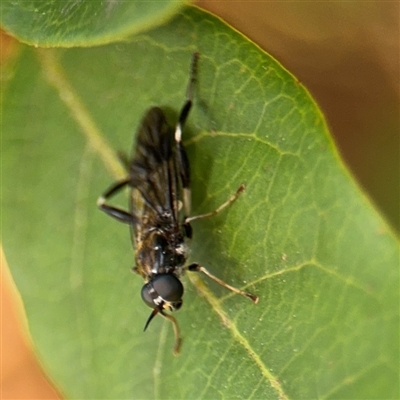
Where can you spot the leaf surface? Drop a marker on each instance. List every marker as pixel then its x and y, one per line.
pixel 71 23
pixel 302 236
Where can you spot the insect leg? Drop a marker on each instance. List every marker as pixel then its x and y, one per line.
pixel 219 209
pixel 184 170
pixel 189 100
pixel 115 212
pixel 175 326
pixel 182 158
pixel 199 268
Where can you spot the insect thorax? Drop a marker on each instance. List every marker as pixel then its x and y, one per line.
pixel 161 252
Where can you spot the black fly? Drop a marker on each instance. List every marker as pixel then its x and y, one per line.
pixel 159 212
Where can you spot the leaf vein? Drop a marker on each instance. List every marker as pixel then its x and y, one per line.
pixel 216 306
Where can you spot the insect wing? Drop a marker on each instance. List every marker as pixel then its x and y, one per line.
pixel 155 185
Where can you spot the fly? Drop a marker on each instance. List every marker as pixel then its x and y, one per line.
pixel 158 176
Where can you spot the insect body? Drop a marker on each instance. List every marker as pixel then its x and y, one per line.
pixel 159 213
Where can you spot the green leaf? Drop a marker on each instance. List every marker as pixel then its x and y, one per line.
pixel 71 23
pixel 302 236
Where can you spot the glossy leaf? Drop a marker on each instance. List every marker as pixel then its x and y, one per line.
pixel 302 236
pixel 71 23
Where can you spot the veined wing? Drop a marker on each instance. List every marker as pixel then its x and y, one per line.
pixel 154 178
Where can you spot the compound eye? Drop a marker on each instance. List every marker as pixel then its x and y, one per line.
pixel 163 290
pixel 147 295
